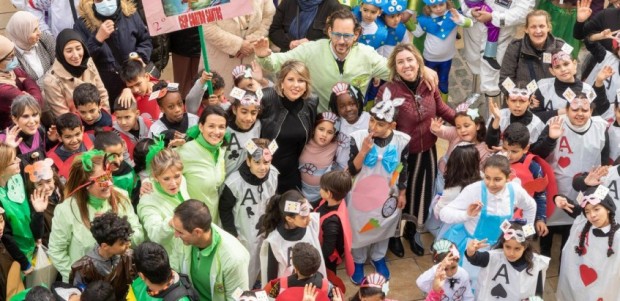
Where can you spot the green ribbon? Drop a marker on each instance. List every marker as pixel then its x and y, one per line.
pixel 96 202
pixel 87 158
pixel 154 150
pixel 194 132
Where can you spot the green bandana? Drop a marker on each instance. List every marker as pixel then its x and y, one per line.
pixel 163 191
pixel 96 202
pixel 213 149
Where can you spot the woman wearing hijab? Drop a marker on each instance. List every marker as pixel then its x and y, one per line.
pixel 299 21
pixel 34 48
pixel 14 81
pixel 73 66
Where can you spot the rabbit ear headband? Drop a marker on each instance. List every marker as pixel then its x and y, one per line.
pixel 386 109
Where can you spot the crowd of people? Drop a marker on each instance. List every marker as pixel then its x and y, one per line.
pixel 311 143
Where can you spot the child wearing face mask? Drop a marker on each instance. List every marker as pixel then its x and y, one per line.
pixel 589 260
pixel 551 90
pixel 13 80
pixel 317 157
pixel 576 143
pixel 347 102
pixel 455 283
pixel 244 198
pixel 512 270
pixel 243 125
pixel 468 127
pixel 378 160
pixel 519 100
pixel 288 220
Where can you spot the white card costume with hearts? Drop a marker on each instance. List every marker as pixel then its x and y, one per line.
pixel 575 153
pixel 370 195
pixel 612 84
pixel 551 100
pixel 235 152
pixel 282 248
pixel 250 206
pixel 592 276
pixel 535 127
pixel 499 280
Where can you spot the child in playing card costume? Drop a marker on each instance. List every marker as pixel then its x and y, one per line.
pixel 614 133
pixel 511 270
pixel 456 285
pixel 174 118
pixel 576 143
pixel 590 264
pixel 552 92
pixel 243 126
pixel 318 156
pixel 288 219
pixel 245 195
pixel 480 208
pixel 377 157
pixel 518 101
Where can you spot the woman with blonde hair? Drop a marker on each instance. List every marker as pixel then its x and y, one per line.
pixel 90 193
pixel 288 117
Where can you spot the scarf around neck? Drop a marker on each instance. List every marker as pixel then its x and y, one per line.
pixel 306 12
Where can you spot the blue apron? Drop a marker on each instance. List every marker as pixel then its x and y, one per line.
pixel 488 225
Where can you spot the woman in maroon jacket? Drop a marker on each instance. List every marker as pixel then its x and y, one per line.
pixel 414 118
pixel 13 81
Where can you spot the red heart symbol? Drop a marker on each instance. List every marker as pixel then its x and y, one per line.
pixel 564 161
pixel 588 274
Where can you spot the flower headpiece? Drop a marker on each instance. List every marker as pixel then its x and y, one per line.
pixel 464 107
pixel 375 280
pixel 340 88
pixel 559 57
pixel 385 109
pixel 327 116
pixel 518 235
pixel 258 152
pixel 40 170
pixel 240 71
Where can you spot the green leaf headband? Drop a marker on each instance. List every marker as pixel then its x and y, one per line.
pixel 154 150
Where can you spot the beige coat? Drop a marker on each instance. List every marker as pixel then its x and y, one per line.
pixel 59 84
pixel 224 38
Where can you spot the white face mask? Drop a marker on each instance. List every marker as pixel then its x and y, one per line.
pixel 106 7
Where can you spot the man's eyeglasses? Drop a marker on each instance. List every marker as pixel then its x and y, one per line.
pixel 346 36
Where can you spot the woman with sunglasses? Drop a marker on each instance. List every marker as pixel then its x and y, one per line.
pixel 90 194
pixel 14 81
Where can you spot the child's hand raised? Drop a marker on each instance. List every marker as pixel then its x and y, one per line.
pixel 603 75
pixel 337 294
pixel 310 292
pixel 436 124
pixel 440 277
pixel 555 127
pixel 455 16
pixel 562 203
pixel 52 133
pixel 474 245
pixel 205 77
pixel 474 209
pixel 11 135
pixel 261 47
pixel 594 176
pixel 583 10
pixel 38 200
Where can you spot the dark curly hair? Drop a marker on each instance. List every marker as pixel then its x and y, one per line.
pixel 109 228
pixel 306 259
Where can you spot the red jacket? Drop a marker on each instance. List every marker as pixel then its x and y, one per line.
pixel 23 84
pixel 414 117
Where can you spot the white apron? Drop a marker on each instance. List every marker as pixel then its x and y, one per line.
pixel 573 154
pixel 250 206
pixel 611 181
pixel 500 281
pixel 235 152
pixel 611 84
pixel 373 218
pixel 614 142
pixel 551 100
pixel 535 127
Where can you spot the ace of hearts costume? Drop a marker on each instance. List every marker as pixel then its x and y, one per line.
pixel 372 211
pixel 592 276
pixel 575 152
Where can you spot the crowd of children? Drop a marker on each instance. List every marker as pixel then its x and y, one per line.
pixel 156 195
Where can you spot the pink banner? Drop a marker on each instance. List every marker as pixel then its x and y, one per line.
pixel 165 16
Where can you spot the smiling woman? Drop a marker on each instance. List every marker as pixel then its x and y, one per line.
pixel 288 117
pixel 73 66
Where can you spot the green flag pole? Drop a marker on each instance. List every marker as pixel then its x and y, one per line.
pixel 203 49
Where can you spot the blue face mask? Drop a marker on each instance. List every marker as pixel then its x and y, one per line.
pixel 106 8
pixel 11 65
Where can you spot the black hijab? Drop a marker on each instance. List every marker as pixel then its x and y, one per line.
pixel 64 37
